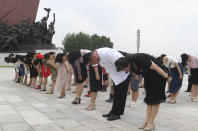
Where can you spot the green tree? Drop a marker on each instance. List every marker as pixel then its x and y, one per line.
pixel 84 41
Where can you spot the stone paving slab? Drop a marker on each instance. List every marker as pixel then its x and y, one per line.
pixel 10 118
pixel 7 110
pixel 26 109
pixel 64 123
pixel 35 117
pixel 16 127
pixel 48 127
pixel 77 128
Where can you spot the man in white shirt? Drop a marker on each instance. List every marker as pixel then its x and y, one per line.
pixel 106 57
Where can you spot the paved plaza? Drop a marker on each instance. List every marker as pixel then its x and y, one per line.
pixel 26 109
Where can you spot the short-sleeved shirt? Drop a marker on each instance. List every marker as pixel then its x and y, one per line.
pixel 52 69
pixel 92 66
pixel 95 65
pixel 80 60
pixel 17 65
pixel 170 62
pixel 107 58
pixel 194 62
pixel 141 60
pixel 84 51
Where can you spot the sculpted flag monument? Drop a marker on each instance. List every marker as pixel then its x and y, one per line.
pixel 18 29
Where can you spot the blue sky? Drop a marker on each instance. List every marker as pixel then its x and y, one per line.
pixel 167 26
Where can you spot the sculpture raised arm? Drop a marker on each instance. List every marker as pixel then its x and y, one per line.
pixel 48 12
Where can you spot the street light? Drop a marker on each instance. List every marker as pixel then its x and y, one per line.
pixel 138 41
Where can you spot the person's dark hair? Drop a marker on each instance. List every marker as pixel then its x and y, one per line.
pixel 47 56
pixel 123 53
pixel 73 55
pixel 87 58
pixel 184 58
pixel 11 55
pixel 22 58
pixel 30 56
pixel 65 52
pixel 36 62
pixel 59 57
pixel 160 60
pixel 52 53
pixel 163 55
pixel 7 59
pixel 13 60
pixel 25 59
pixel 121 63
pixel 18 57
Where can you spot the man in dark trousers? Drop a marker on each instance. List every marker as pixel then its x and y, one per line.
pixel 189 84
pixel 106 57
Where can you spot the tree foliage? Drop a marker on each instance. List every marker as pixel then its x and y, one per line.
pixel 85 41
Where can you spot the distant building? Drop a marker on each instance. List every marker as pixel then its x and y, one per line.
pixel 15 11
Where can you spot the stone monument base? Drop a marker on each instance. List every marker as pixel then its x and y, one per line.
pixel 24 48
pixel 33 47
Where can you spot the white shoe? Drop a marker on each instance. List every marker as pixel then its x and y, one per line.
pixel 134 104
pixel 189 100
pixel 192 100
pixel 130 104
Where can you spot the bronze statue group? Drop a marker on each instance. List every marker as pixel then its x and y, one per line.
pixel 26 35
pixel 99 66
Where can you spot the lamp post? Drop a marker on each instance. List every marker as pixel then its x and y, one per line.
pixel 138 41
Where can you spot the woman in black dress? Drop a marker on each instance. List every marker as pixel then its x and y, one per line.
pixel 33 72
pixel 75 58
pixel 154 80
pixel 95 81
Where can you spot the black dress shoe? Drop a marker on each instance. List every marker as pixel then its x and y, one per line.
pixel 107 115
pixel 113 117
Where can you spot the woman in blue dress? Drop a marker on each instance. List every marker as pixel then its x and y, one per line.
pixel 176 72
